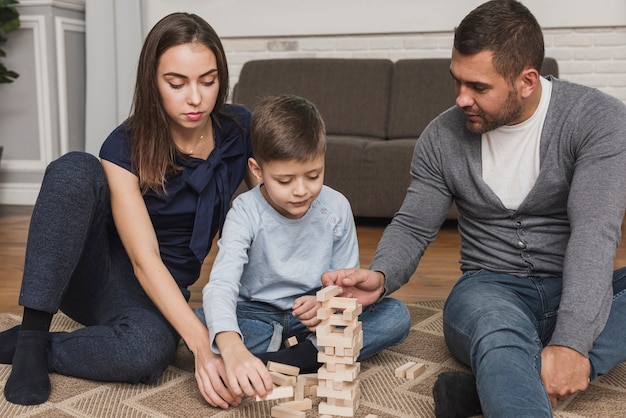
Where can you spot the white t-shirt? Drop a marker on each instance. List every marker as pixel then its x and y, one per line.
pixel 510 154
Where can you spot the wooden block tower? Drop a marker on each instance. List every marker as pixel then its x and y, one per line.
pixel 341 334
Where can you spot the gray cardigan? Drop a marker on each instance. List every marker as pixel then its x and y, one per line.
pixel 568 225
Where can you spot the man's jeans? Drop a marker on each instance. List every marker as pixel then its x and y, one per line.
pixel 385 323
pixel 498 325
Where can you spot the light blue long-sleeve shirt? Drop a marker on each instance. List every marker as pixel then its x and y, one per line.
pixel 266 257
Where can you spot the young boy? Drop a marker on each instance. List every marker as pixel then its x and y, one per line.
pixel 277 241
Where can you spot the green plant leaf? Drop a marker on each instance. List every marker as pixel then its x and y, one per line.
pixel 9 20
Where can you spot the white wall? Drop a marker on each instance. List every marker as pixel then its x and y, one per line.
pixel 588 38
pixel 249 18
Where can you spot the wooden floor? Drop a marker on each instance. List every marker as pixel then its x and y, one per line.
pixel 435 276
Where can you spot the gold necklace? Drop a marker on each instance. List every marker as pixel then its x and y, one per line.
pixel 197 143
pixel 190 152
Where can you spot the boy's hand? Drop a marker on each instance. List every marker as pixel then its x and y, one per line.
pixel 210 376
pixel 245 373
pixel 305 309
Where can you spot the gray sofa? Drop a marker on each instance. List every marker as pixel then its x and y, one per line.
pixel 374 110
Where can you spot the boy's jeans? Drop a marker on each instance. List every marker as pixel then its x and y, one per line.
pixel 385 323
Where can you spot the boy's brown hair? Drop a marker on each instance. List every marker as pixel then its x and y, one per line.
pixel 287 127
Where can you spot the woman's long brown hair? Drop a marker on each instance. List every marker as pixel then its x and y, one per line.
pixel 152 149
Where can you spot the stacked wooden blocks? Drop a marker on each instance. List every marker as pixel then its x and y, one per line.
pixel 341 334
pixel 295 387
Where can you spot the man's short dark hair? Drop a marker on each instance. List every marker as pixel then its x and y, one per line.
pixel 507 29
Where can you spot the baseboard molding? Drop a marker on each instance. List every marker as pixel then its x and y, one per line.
pixel 19 193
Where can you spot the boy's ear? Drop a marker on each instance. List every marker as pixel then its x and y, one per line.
pixel 255 169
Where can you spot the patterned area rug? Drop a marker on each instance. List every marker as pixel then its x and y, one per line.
pixel 382 394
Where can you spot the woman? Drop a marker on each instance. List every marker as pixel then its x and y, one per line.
pixel 116 244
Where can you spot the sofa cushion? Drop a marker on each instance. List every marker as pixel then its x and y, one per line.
pixel 420 90
pixel 372 174
pixel 351 94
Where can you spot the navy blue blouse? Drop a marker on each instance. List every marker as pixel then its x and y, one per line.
pixel 189 215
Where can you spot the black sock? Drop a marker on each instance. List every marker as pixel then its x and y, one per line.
pixel 29 383
pixel 8 341
pixel 456 396
pixel 35 320
pixel 302 355
pixel 32 320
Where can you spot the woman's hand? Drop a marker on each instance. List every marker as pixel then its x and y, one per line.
pixel 305 309
pixel 210 376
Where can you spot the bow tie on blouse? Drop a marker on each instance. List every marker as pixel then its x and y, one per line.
pixel 210 181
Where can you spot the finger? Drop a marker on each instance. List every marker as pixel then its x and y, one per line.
pixel 212 396
pixel 329 278
pixel 244 383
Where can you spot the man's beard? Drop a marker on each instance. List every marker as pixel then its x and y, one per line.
pixel 510 111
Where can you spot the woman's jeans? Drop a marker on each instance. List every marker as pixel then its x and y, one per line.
pixel 498 325
pixel 264 328
pixel 75 262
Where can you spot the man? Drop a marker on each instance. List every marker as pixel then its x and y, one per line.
pixel 537 168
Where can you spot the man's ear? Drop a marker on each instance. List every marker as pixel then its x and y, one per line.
pixel 255 169
pixel 528 81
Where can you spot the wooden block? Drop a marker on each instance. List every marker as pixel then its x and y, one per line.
pixel 326 293
pixel 283 368
pixel 280 379
pixel 416 370
pixel 309 379
pixel 301 405
pixel 291 341
pixel 325 358
pixel 344 411
pixel 348 374
pixel 401 371
pixel 279 411
pixel 352 330
pixel 343 402
pixel 324 313
pixel 351 314
pixel 355 350
pixel 339 320
pixel 339 351
pixel 349 391
pixel 278 392
pixel 336 340
pixel 303 382
pixel 300 392
pixel 343 303
pixel 324 329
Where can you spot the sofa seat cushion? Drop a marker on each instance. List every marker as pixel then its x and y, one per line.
pixel 372 173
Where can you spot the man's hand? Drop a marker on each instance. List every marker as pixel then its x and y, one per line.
pixel 305 309
pixel 564 371
pixel 365 285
